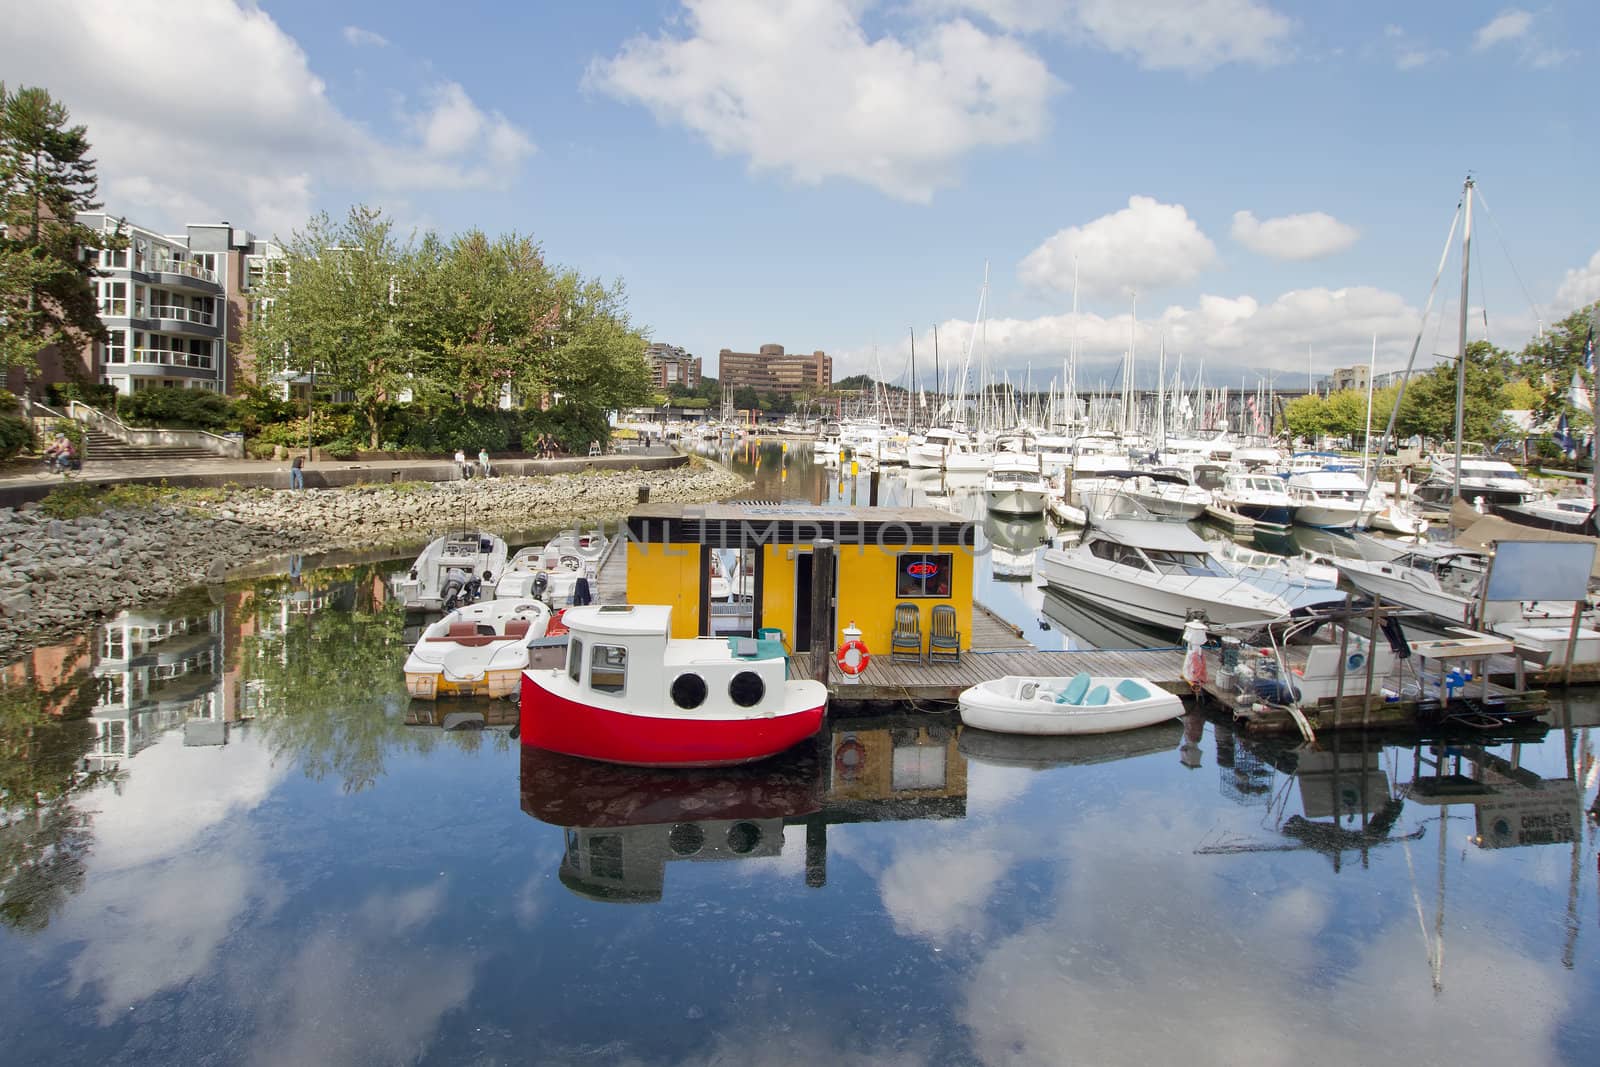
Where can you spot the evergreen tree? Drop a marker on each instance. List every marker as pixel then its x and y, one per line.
pixel 46 178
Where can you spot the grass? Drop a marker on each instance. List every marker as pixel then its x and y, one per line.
pixel 75 500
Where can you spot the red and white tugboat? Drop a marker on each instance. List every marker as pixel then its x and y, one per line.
pixel 631 694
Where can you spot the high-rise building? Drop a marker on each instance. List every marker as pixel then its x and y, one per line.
pixel 173 308
pixel 673 365
pixel 771 370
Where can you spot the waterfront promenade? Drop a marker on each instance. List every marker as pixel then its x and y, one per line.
pixel 24 480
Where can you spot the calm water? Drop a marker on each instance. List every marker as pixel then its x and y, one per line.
pixel 228 837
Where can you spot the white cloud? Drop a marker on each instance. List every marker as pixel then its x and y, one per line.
pixel 247 130
pixel 357 37
pixel 1146 245
pixel 1512 24
pixel 453 126
pixel 1310 235
pixel 800 88
pixel 1580 287
pixel 1187 35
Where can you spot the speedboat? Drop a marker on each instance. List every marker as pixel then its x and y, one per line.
pixel 1393 515
pixel 1160 573
pixel 1327 500
pixel 1441 581
pixel 1261 497
pixel 1569 514
pixel 430 585
pixel 479 650
pixel 630 693
pixel 1082 704
pixel 1015 486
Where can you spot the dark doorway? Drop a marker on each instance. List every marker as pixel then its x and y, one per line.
pixel 802 602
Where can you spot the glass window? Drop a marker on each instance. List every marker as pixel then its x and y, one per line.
pixel 922 574
pixel 608 671
pixel 575 660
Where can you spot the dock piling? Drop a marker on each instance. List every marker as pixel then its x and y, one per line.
pixel 822 555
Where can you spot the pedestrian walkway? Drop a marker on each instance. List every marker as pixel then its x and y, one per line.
pixel 26 480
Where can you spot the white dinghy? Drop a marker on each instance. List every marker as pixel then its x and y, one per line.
pixel 1083 704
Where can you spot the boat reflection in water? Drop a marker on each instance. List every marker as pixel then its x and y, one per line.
pixel 1041 752
pixel 1096 629
pixel 623 826
pixel 1013 541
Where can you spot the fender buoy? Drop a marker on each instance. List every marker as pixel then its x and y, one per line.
pixel 852 657
pixel 849 758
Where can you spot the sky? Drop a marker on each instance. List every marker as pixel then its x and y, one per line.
pixel 1261 187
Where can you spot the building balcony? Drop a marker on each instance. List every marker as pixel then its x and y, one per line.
pixel 175 319
pixel 183 274
pixel 160 361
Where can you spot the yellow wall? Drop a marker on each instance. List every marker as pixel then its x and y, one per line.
pixel 667 574
pixel 670 574
pixel 865 593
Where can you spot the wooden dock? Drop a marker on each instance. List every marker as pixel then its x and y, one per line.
pixel 915 680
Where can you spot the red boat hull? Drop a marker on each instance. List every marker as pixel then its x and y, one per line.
pixel 553 722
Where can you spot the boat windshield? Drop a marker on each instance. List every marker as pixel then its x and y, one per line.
pixel 1191 564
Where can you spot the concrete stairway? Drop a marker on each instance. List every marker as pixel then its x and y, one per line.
pixel 103 448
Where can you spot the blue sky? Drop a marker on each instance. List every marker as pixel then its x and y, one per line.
pixel 827 173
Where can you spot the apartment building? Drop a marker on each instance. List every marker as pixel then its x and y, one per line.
pixel 173 307
pixel 672 365
pixel 771 370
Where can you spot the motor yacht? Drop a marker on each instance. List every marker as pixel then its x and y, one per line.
pixel 1015 486
pixel 1260 497
pixel 1483 478
pixel 1327 500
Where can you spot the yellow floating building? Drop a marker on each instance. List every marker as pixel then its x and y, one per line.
pixel 743 568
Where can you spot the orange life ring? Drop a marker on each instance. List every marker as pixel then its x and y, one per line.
pixel 849 758
pixel 852 657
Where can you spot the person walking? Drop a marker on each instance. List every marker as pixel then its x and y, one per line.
pixel 297 473
pixel 483 461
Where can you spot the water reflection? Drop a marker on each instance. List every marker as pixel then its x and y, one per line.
pixel 624 825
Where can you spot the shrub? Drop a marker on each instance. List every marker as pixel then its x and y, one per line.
pixel 256 408
pixel 325 427
pixel 183 409
pixel 104 397
pixel 446 431
pixel 572 425
pixel 74 500
pixel 16 433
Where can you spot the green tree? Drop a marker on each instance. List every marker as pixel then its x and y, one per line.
pixel 746 398
pixel 1429 407
pixel 46 179
pixel 1306 416
pixel 341 306
pixel 1549 361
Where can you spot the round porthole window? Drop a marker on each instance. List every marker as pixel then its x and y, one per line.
pixel 689 690
pixel 743 837
pixel 747 689
pixel 685 839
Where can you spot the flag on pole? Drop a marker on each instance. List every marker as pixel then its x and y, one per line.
pixel 1579 395
pixel 1564 437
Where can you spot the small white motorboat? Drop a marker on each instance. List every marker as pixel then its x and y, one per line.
pixel 441 571
pixel 1015 486
pixel 1083 704
pixel 479 650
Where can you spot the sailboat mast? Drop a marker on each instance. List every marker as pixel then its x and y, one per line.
pixel 938 390
pixel 1366 443
pixel 911 394
pixel 1461 360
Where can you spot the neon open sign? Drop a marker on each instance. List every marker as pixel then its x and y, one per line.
pixel 922 570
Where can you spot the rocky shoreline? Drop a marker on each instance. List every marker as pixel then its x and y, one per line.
pixel 61 574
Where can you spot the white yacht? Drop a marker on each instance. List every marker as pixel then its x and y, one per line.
pixel 1261 497
pixel 1015 486
pixel 1483 478
pixel 1327 500
pixel 1158 573
pixel 430 584
pixel 1167 494
pixel 1096 452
